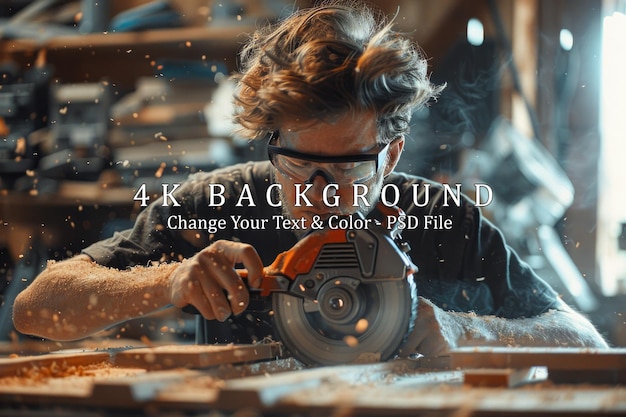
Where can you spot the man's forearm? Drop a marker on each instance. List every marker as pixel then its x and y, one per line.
pixel 437 331
pixel 554 328
pixel 75 298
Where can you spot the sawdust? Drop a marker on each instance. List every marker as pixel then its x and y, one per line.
pixel 361 326
pixel 351 341
pixel 41 374
pixel 203 382
pixel 367 357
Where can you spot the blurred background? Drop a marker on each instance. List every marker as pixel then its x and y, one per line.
pixel 100 97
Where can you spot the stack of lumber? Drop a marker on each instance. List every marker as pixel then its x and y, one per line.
pixel 231 378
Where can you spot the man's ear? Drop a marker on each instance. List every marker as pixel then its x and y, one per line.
pixel 393 154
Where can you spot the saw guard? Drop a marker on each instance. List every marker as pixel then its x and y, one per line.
pixel 377 334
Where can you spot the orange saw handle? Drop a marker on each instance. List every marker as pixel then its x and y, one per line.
pixel 268 285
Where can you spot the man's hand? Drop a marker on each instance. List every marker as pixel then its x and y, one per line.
pixel 209 282
pixel 76 297
pixel 433 335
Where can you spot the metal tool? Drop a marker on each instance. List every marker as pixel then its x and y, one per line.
pixel 343 295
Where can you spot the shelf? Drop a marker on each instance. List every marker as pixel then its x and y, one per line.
pixel 123 57
pixel 227 36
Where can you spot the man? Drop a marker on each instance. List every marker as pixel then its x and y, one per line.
pixel 332 89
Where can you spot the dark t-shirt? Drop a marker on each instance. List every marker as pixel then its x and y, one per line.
pixel 467 268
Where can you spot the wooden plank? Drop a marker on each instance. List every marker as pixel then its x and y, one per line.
pixel 389 389
pixel 266 391
pixel 33 347
pixel 202 392
pixel 443 399
pixel 216 36
pixel 103 385
pixel 524 41
pixel 508 378
pixel 194 356
pixel 553 358
pixel 50 363
pixel 131 391
pixel 565 365
pixel 177 388
pixel 67 385
pixel 377 390
pixel 116 378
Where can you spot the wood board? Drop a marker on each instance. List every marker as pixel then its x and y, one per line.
pixel 33 347
pixel 564 365
pixel 453 399
pixel 118 378
pixel 391 389
pixel 195 356
pixel 506 377
pixel 127 392
pixel 15 365
pixel 73 385
pixel 266 391
pixel 203 391
pixel 400 387
pixel 553 358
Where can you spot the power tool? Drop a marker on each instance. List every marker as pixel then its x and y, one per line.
pixel 343 295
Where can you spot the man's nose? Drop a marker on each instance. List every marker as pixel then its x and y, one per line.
pixel 320 173
pixel 319 179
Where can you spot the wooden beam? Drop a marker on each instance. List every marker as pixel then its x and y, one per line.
pixel 524 46
pixel 51 363
pixel 194 356
pixel 553 358
pixel 565 365
pixel 266 391
pixel 509 377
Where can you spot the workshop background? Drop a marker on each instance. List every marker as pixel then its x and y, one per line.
pixel 100 97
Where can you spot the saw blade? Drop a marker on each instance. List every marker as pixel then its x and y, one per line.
pixel 349 321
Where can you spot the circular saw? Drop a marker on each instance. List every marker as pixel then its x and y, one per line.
pixel 344 295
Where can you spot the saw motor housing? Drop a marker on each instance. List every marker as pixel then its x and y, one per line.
pixel 365 254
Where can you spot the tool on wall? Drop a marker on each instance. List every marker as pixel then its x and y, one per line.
pixel 23 110
pixel 79 125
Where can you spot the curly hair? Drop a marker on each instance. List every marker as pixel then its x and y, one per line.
pixel 326 60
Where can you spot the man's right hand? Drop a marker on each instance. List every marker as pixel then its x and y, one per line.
pixel 209 282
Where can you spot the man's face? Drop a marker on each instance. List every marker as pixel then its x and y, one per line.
pixel 349 135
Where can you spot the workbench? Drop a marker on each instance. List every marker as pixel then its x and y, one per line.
pixel 260 379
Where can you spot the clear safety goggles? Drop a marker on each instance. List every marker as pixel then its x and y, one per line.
pixel 341 170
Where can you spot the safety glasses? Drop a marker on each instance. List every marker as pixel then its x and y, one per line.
pixel 342 169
